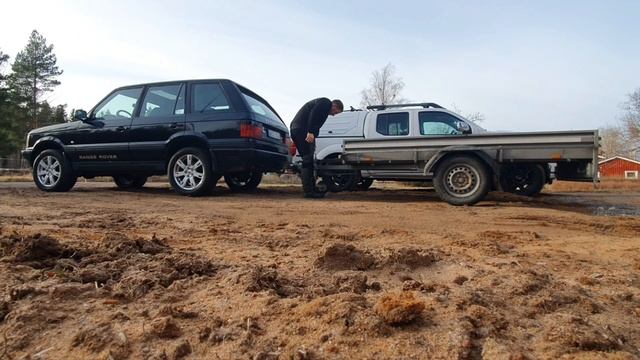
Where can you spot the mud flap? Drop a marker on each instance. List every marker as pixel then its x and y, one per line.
pixel 575 171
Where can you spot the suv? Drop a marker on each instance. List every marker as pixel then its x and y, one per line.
pixel 195 131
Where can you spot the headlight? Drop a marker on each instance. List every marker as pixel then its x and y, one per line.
pixel 28 137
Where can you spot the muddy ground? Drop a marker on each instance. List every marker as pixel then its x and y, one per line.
pixel 98 273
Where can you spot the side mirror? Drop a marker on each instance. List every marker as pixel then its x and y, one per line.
pixel 80 115
pixel 464 128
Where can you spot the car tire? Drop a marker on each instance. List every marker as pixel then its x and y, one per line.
pixel 522 179
pixel 52 172
pixel 190 172
pixel 462 180
pixel 364 184
pixel 243 182
pixel 129 182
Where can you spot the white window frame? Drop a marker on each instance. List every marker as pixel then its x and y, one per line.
pixel 631 174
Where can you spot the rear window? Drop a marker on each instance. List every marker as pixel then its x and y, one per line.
pixel 393 124
pixel 258 107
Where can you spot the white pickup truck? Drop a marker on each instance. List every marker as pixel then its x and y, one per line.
pixel 425 142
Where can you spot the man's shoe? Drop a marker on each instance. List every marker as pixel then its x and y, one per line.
pixel 308 184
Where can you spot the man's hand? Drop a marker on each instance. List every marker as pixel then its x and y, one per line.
pixel 310 138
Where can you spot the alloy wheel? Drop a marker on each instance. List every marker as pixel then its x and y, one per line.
pixel 188 172
pixel 49 171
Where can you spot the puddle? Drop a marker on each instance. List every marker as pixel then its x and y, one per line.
pixel 616 211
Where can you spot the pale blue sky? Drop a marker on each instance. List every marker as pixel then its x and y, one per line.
pixel 543 65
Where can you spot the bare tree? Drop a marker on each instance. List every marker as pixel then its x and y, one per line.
pixel 476 117
pixel 613 142
pixel 623 139
pixel 631 118
pixel 384 89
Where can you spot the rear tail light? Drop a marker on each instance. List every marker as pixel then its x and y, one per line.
pixel 249 130
pixel 292 147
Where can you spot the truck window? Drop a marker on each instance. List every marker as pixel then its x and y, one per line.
pixel 438 123
pixel 393 124
pixel 208 97
pixel 164 100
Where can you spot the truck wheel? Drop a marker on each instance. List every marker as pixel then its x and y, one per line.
pixel 364 184
pixel 129 182
pixel 53 172
pixel 522 179
pixel 246 181
pixel 190 172
pixel 461 180
pixel 338 183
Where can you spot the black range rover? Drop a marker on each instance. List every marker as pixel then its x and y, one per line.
pixel 195 131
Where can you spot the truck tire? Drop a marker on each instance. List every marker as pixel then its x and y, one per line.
pixel 190 172
pixel 52 172
pixel 243 182
pixel 522 179
pixel 129 182
pixel 344 182
pixel 462 180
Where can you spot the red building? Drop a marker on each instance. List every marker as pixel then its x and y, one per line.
pixel 619 166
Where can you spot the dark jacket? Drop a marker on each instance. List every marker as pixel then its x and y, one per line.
pixel 312 116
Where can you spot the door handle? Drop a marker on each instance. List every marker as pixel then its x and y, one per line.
pixel 121 128
pixel 176 125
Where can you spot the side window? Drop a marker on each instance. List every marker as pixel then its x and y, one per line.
pixel 438 123
pixel 164 100
pixel 393 124
pixel 119 105
pixel 208 97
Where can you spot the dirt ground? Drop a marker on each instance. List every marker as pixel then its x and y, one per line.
pixel 392 273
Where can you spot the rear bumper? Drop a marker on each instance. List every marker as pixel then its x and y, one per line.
pixel 250 158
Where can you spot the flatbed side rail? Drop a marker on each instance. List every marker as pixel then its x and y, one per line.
pixel 498 139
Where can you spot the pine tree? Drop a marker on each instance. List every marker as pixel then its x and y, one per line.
pixel 59 114
pixel 48 114
pixel 9 140
pixel 3 59
pixel 34 74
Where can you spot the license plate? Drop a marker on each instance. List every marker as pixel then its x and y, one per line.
pixel 274 134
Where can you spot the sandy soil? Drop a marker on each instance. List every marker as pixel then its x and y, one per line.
pixel 98 273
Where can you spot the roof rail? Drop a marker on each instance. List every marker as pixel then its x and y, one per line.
pixel 424 105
